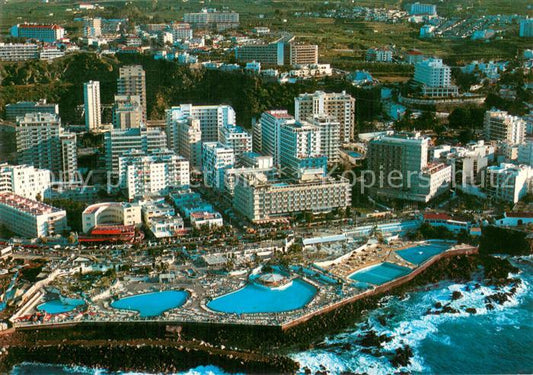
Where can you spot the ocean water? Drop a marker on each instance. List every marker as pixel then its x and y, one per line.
pixel 485 342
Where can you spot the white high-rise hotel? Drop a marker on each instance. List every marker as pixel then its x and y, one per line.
pixel 501 126
pixel 216 157
pixel 435 77
pixel 91 100
pixel 341 106
pixel 42 142
pixel 143 174
pixel 212 119
pixel 271 122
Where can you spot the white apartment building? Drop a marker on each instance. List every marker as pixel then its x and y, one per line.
pixel 508 182
pixel 18 51
pixel 270 124
pixel 501 126
pixel 30 218
pixel 91 102
pixel 469 162
pixel 330 136
pixel 42 142
pixel 132 82
pixel 181 31
pixel 338 105
pixel 25 180
pixel 111 213
pixel 119 141
pixel 212 118
pixel 127 112
pixel 154 174
pixel 50 53
pixel 435 77
pixel 400 168
pixel 236 138
pixel 212 18
pixel 300 150
pixel 258 197
pixel 525 153
pixel 161 219
pixel 216 157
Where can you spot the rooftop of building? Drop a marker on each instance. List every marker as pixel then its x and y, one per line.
pixel 30 206
pixel 279 114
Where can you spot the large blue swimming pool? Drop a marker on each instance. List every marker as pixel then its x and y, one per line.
pixel 254 298
pixel 380 273
pixel 152 304
pixel 58 306
pixel 419 254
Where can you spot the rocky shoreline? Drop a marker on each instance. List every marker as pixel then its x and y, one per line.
pixel 146 346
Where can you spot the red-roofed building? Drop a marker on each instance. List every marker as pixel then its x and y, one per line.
pixel 43 33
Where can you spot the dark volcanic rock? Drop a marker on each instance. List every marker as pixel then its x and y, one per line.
pixel 471 310
pixel 402 356
pixel 456 295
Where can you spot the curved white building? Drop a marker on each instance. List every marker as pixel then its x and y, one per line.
pixel 118 213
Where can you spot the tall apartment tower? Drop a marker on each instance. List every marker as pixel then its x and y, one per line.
pixel 300 150
pixel 338 105
pixel 406 154
pixel 435 78
pixel 501 126
pixel 132 81
pixel 212 118
pixel 271 122
pixel 42 142
pixel 91 101
pixel 330 136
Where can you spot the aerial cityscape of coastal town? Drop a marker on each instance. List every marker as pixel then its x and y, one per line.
pixel 179 164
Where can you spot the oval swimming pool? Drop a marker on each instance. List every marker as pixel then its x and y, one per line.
pixel 152 304
pixel 58 306
pixel 254 298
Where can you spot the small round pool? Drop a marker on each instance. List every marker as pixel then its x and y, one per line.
pixel 254 298
pixel 58 306
pixel 152 304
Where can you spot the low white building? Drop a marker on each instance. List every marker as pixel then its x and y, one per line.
pixel 29 218
pixel 508 182
pixel 111 213
pixel 514 219
pixel 161 219
pixel 205 218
